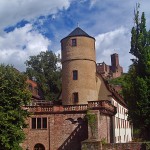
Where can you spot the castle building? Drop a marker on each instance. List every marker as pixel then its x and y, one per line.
pixel 113 71
pixel 84 92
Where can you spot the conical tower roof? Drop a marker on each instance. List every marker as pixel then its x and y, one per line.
pixel 78 32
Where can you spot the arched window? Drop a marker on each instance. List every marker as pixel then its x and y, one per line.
pixel 39 147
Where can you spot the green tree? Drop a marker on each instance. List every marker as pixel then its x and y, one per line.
pixel 13 95
pixel 44 69
pixel 137 88
pixel 120 81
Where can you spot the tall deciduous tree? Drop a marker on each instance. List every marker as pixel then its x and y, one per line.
pixel 13 95
pixel 137 89
pixel 44 69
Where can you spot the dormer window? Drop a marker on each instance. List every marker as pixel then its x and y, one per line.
pixel 74 42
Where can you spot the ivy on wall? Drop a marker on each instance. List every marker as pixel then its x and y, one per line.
pixel 91 121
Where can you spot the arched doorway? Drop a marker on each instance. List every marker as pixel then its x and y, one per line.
pixel 39 147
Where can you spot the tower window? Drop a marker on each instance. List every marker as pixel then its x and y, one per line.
pixel 74 42
pixel 75 97
pixel 75 74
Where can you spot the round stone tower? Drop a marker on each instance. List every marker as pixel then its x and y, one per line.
pixel 78 68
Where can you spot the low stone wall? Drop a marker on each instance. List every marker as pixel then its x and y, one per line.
pixel 122 146
pixel 91 145
pixel 127 146
pixel 96 145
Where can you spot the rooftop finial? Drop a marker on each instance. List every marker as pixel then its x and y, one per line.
pixel 77 24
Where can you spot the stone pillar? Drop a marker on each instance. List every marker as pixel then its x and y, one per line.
pixel 93 141
pixel 93 117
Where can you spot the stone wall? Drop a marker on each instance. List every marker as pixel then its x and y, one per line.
pixel 91 145
pixel 105 128
pixel 63 132
pixel 126 146
pixel 97 145
pixel 66 125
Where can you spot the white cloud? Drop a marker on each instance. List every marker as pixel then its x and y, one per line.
pixel 117 41
pixel 104 17
pixel 58 53
pixel 13 11
pixel 92 3
pixel 18 45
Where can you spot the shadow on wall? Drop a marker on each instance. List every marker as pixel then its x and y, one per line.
pixel 73 142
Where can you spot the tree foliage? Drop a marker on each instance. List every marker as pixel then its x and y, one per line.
pixel 118 82
pixel 137 88
pixel 44 69
pixel 13 95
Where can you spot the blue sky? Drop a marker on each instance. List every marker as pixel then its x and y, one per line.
pixel 30 26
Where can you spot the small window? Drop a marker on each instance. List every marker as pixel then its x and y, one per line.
pixel 39 123
pixel 44 123
pixel 74 42
pixel 75 74
pixel 75 97
pixel 33 123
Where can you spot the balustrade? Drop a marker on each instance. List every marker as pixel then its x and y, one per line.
pixel 100 105
pixel 75 108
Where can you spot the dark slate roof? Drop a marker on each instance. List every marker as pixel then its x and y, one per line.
pixel 78 32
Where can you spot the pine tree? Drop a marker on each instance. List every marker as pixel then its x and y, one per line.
pixel 137 89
